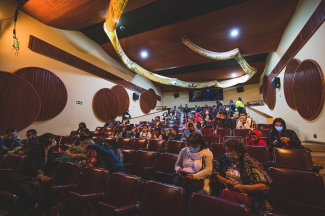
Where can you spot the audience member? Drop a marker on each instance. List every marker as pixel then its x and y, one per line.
pixel 189 120
pixel 199 110
pixel 1 145
pixel 281 137
pixel 11 140
pixel 230 113
pixel 112 145
pixel 158 123
pixel 118 132
pixel 256 139
pixel 220 104
pixel 218 122
pixel 232 106
pixel 191 129
pixel 82 125
pixel 118 124
pixel 145 134
pixel 220 109
pixel 28 143
pixel 174 118
pixel 226 121
pixel 207 116
pixel 78 150
pixel 125 117
pixel 194 166
pixel 164 117
pixel 202 124
pixel 244 122
pixel 110 123
pixel 186 109
pixel 242 179
pixel 193 98
pixel 240 105
pixel 129 133
pixel 180 109
pixel 157 134
pixel 22 185
pixel 173 134
pixel 197 117
pixel 206 107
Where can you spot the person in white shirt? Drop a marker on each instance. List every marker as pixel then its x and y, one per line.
pixel 145 134
pixel 244 122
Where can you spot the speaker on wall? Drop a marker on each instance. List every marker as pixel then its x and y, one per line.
pixel 135 96
pixel 275 82
pixel 176 95
pixel 240 89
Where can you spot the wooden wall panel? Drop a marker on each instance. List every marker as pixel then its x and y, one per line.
pixel 123 98
pixel 50 88
pixel 264 88
pixel 288 81
pixel 106 104
pixel 20 104
pixel 270 94
pixel 153 97
pixel 145 102
pixel 308 89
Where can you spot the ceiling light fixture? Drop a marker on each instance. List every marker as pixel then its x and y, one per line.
pixel 233 75
pixel 144 54
pixel 234 33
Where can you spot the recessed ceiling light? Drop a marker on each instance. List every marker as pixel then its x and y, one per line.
pixel 234 33
pixel 233 75
pixel 144 54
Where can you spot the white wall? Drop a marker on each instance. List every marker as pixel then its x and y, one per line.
pixel 251 93
pixel 80 85
pixel 314 49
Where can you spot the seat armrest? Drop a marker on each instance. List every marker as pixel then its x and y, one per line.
pixel 142 149
pixel 125 209
pixel 62 187
pixel 87 196
pixel 317 168
pixel 127 164
pixel 150 168
pixel 6 170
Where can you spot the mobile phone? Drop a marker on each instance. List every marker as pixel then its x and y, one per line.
pixel 183 173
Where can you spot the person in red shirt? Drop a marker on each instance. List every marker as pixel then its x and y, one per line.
pixel 256 139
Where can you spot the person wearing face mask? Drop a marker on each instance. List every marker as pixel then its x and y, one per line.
pixel 202 124
pixel 226 121
pixel 231 114
pixel 281 137
pixel 164 117
pixel 22 184
pixel 191 129
pixel 232 106
pixel 189 120
pixel 82 125
pixel 78 150
pixel 186 109
pixel 157 134
pixel 244 122
pixel 194 166
pixel 11 140
pixel 158 123
pixel 256 139
pixel 174 118
pixel 240 105
pixel 117 132
pixel 207 116
pixel 242 179
pixel 145 134
pixel 173 134
pixel 218 123
pixel 28 144
pixel 180 109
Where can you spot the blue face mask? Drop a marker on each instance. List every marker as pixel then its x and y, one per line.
pixel 279 128
pixel 29 137
pixel 194 150
pixel 14 133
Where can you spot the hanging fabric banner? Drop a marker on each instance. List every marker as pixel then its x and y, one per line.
pixel 114 13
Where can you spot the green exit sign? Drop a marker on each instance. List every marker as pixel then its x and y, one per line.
pixel 79 102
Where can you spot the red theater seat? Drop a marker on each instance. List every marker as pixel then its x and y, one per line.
pixel 66 140
pixel 97 133
pixel 124 142
pixel 141 160
pixel 223 132
pixel 265 126
pixel 264 132
pixel 212 139
pixel 174 146
pixel 207 131
pixel 242 132
pixel 217 150
pixel 99 128
pixel 156 145
pixel 241 139
pixel 261 154
pixel 139 144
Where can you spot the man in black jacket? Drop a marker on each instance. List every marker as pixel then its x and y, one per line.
pixel 22 183
pixel 226 121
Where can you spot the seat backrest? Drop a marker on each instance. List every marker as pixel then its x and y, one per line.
pixel 20 165
pixel 241 139
pixel 181 130
pixel 108 129
pixel 296 192
pixel 67 140
pixel 264 132
pixel 292 158
pixel 96 138
pixel 143 122
pixel 97 133
pixel 139 143
pixel 223 132
pixel 156 145
pixel 10 162
pixel 66 174
pixel 162 199
pixel 242 132
pixel 212 138
pixel 73 133
pixel 166 163
pixel 207 131
pixel 260 153
pixel 128 155
pixel 265 126
pixel 217 150
pixel 174 146
pixel 122 190
pixel 107 134
pixel 99 128
pixel 92 180
pixel 141 160
pixel 124 142
pixel 210 206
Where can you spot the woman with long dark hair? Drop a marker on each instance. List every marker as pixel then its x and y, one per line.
pixel 82 125
pixel 281 137
pixel 242 179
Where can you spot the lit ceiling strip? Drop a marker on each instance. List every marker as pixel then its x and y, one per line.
pixel 114 13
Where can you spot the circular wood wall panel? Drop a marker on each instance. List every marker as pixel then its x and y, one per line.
pixel 20 103
pixel 308 89
pixel 145 102
pixel 123 98
pixel 288 81
pixel 264 88
pixel 106 104
pixel 50 88
pixel 271 94
pixel 153 96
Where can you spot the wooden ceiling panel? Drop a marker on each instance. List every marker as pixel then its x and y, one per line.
pixel 134 4
pixel 260 32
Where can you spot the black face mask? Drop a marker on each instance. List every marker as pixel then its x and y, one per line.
pixel 81 127
pixel 191 131
pixel 83 138
pixel 256 141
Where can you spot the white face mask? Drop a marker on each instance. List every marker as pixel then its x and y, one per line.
pixel 227 109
